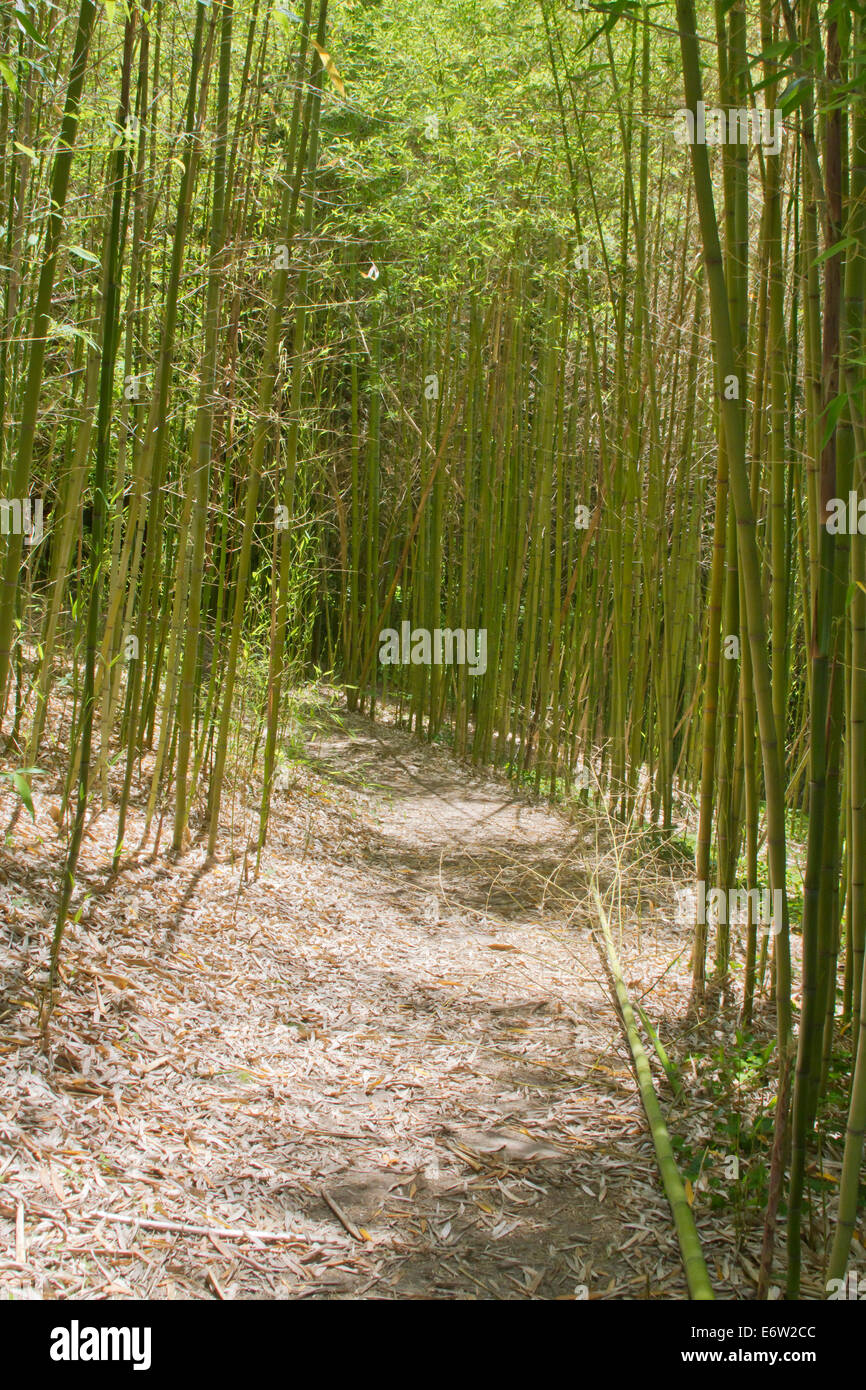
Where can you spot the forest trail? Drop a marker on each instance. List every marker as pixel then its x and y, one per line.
pixel 390 1055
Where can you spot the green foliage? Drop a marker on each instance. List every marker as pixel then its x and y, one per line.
pixel 20 782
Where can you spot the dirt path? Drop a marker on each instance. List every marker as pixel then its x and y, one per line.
pixel 390 1055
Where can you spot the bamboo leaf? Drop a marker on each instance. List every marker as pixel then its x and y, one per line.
pixel 835 250
pixel 69 331
pixel 834 411
pixel 19 780
pixel 786 48
pixel 84 255
pixel 794 94
pixel 330 68
pixel 285 19
pixel 8 75
pixel 26 23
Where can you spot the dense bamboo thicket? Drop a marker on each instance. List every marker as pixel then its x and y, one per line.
pixel 518 390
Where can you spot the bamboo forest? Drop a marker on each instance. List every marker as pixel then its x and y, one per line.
pixel 433 658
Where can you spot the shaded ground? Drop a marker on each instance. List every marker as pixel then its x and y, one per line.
pixel 388 1066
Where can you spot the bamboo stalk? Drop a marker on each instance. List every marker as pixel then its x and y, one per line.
pixel 697 1277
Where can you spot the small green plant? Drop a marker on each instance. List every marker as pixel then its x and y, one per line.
pixel 20 780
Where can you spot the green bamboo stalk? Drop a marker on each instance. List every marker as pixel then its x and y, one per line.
pixel 20 474
pixel 697 1276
